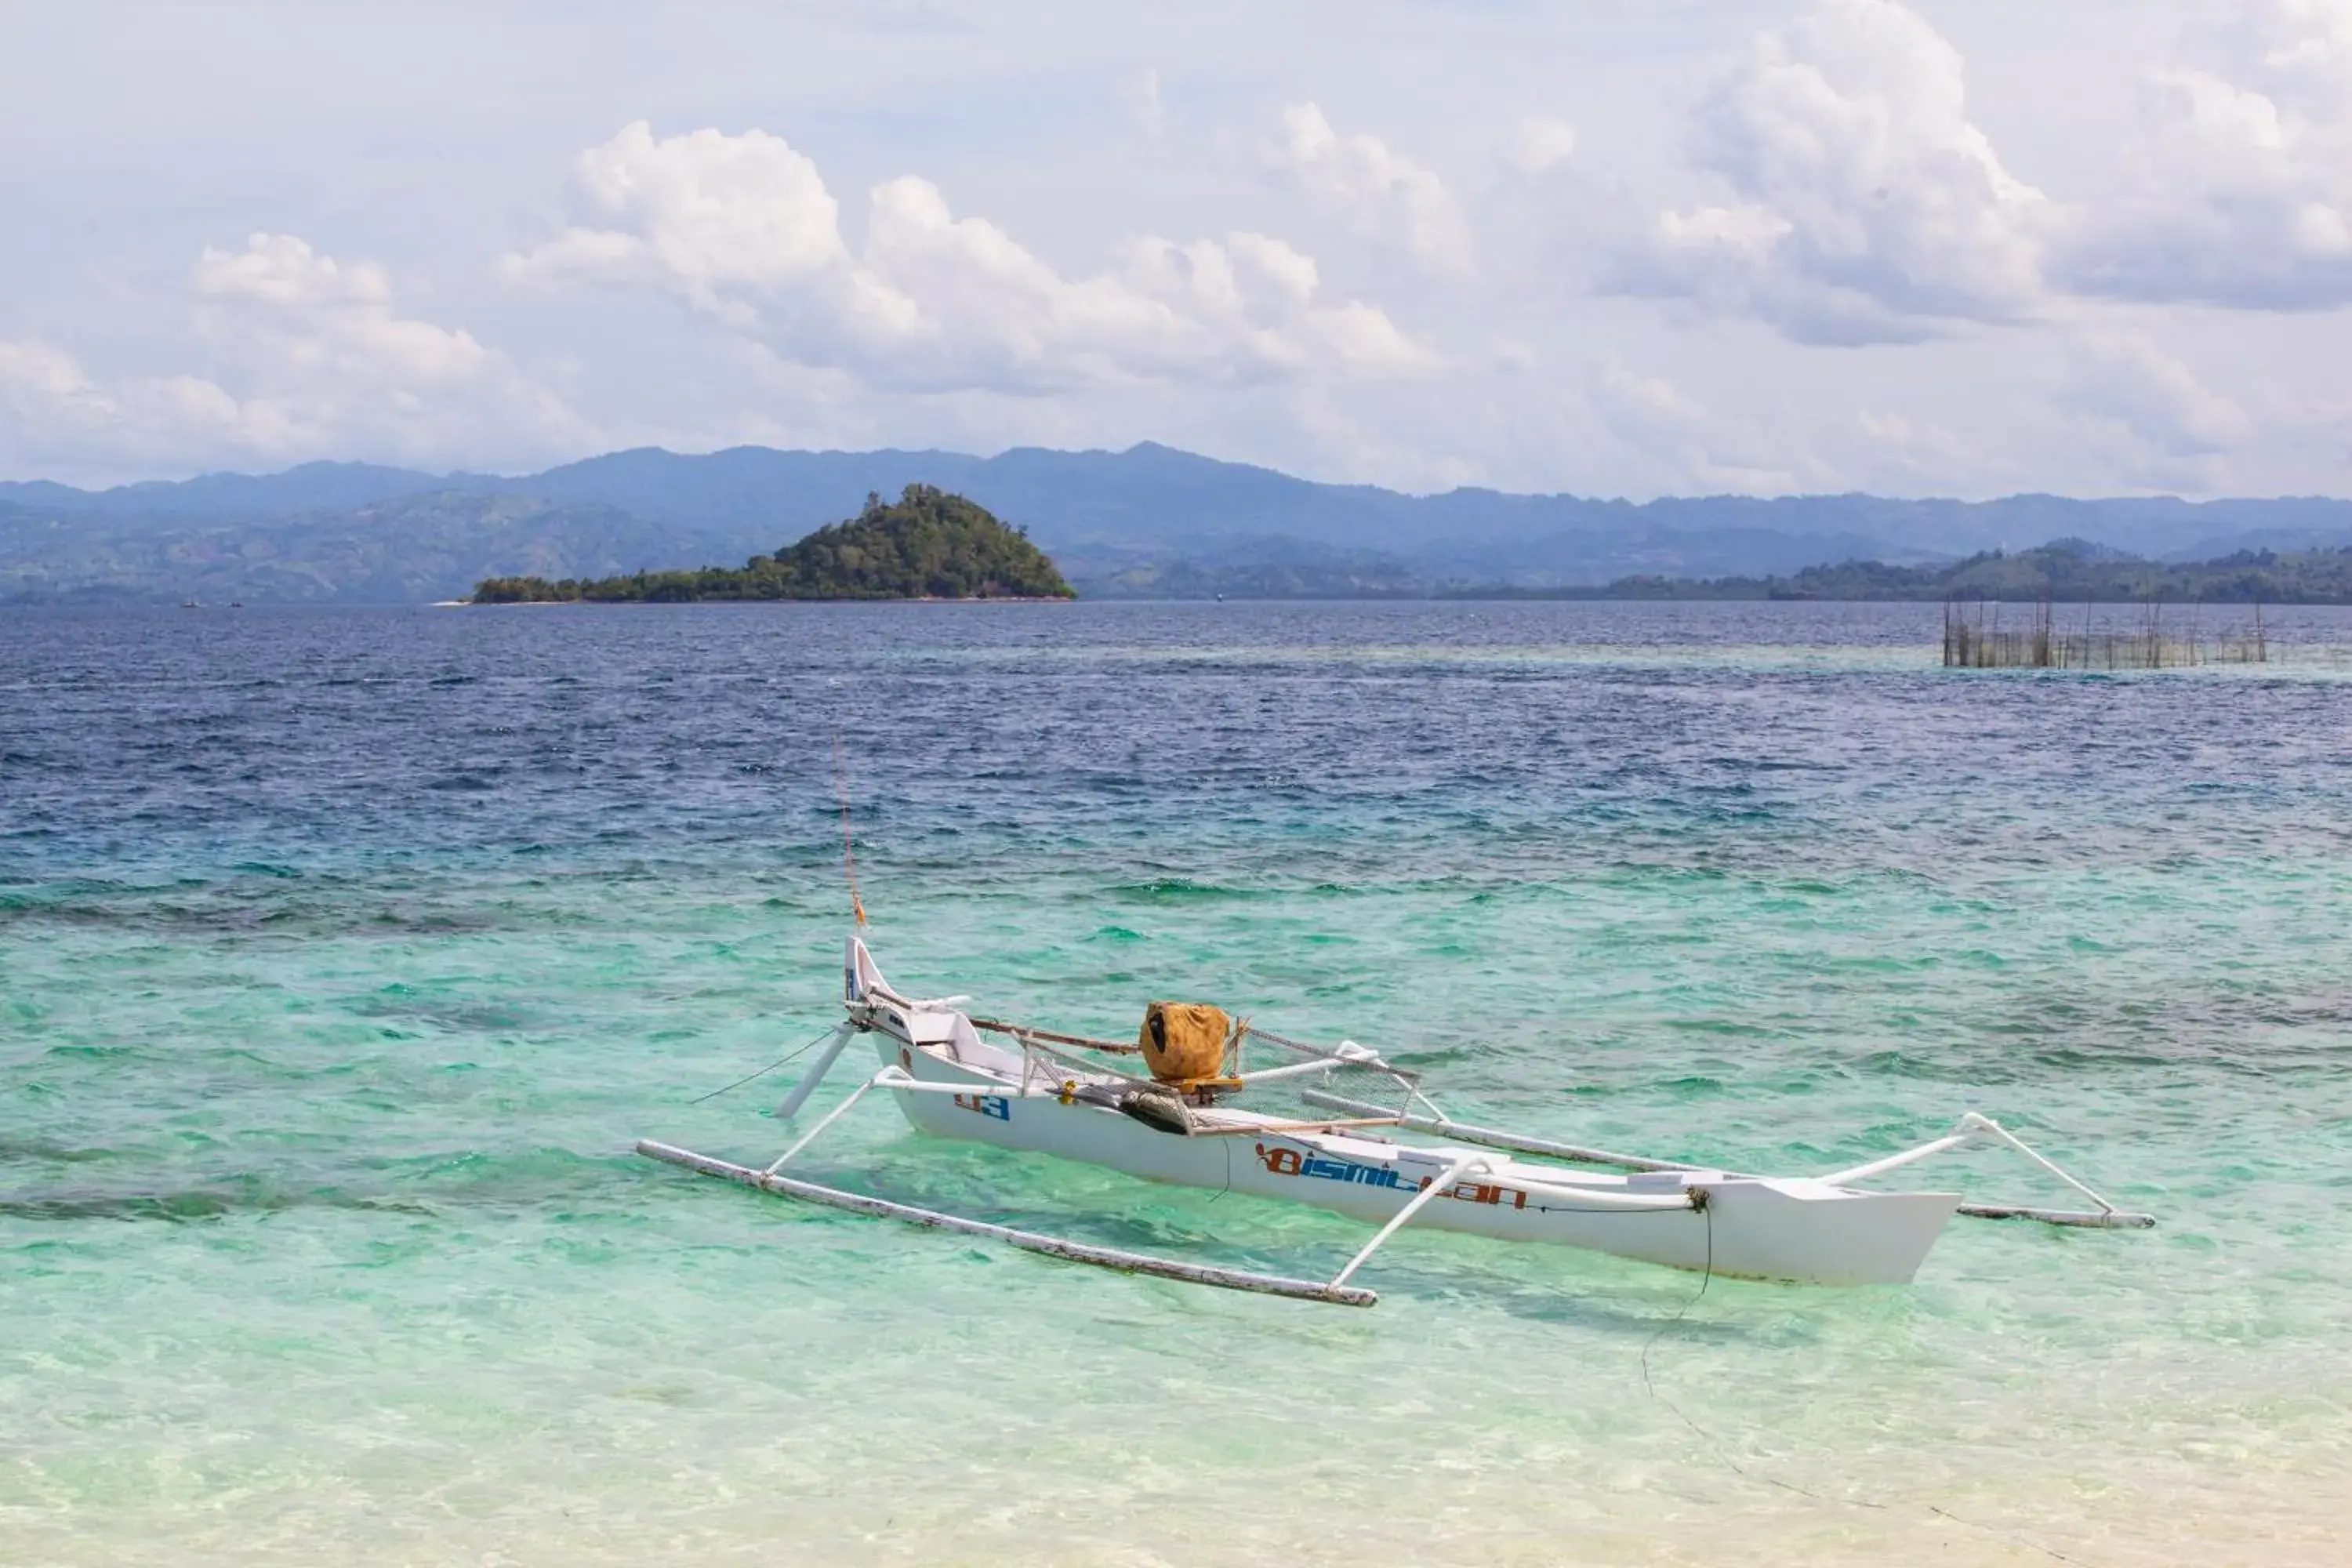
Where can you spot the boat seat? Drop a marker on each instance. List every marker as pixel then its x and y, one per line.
pixel 965 1045
pixel 932 1028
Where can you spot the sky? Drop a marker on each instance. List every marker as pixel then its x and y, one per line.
pixel 1615 247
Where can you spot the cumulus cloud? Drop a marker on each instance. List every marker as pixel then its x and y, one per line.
pixel 279 270
pixel 292 314
pixel 742 227
pixel 1541 144
pixel 61 414
pixel 2240 193
pixel 1375 190
pixel 2125 380
pixel 711 214
pixel 309 358
pixel 1900 449
pixel 1682 442
pixel 1865 206
pixel 36 378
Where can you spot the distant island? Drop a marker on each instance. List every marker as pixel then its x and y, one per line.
pixel 928 544
pixel 2069 571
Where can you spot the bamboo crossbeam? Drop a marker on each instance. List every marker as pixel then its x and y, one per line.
pixel 1022 1031
pixel 1028 1241
pixel 1463 1133
pixel 1243 1129
pixel 1846 1178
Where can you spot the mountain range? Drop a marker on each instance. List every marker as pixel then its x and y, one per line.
pixel 1149 521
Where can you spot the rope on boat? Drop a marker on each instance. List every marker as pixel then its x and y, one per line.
pixel 780 1061
pixel 1723 1455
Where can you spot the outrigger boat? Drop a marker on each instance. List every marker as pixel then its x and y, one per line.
pixel 1201 1115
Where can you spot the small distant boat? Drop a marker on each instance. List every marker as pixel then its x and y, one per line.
pixel 190 605
pixel 1200 1114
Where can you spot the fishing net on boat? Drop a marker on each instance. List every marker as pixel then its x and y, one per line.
pixel 1227 1064
pixel 1294 1079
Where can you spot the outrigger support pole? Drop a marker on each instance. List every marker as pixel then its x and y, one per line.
pixel 897 1077
pixel 816 1073
pixel 1338 1293
pixel 1437 1187
pixel 835 1114
pixel 1972 1125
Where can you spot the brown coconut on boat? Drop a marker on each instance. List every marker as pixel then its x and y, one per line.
pixel 1185 1042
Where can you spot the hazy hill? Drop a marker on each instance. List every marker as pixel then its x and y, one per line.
pixel 306 487
pixel 1147 520
pixel 405 550
pixel 2070 571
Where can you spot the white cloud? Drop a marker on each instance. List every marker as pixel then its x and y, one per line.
pixel 743 228
pixel 293 315
pixel 1375 190
pixel 1905 451
pixel 1144 103
pixel 1866 207
pixel 2124 379
pixel 310 358
pixel 1541 144
pixel 59 414
pixel 279 270
pixel 1845 178
pixel 2240 193
pixel 707 212
pixel 36 378
pixel 1683 444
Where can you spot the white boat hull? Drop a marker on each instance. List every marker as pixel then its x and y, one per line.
pixel 1793 1229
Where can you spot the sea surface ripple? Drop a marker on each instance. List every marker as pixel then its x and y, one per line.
pixel 343 955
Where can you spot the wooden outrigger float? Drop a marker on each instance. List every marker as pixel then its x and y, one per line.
pixel 1183 1122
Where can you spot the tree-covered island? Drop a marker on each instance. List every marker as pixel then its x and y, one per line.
pixel 928 544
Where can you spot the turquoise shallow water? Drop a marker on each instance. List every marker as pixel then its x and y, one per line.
pixel 342 958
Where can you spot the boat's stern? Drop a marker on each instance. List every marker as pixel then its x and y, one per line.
pixel 861 977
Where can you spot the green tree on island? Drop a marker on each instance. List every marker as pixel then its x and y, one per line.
pixel 928 544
